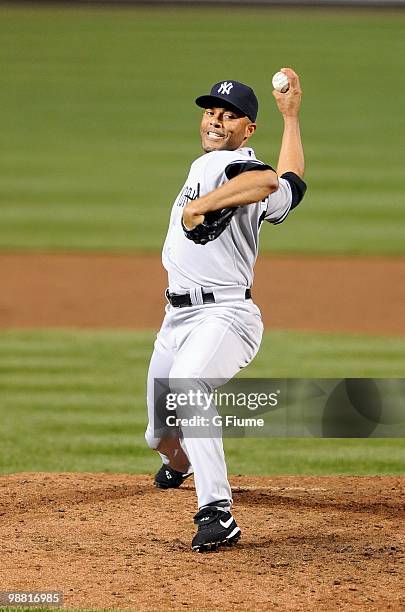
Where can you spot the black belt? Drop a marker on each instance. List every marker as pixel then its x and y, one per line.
pixel 179 301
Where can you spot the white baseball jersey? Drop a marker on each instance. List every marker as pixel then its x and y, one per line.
pixel 228 260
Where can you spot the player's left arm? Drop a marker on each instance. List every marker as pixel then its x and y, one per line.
pixel 248 187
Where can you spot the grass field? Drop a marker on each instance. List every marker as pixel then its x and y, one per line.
pixel 98 122
pixel 75 401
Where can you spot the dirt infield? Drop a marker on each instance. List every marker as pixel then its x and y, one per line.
pixel 343 294
pixel 114 541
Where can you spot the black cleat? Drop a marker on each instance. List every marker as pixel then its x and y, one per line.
pixel 215 528
pixel 168 478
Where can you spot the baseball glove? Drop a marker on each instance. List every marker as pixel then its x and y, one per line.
pixel 213 225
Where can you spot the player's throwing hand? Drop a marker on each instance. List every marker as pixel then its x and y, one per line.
pixel 289 103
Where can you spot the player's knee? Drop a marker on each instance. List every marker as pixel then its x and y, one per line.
pixel 184 376
pixel 178 374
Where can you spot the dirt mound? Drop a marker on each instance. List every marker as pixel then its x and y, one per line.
pixel 110 540
pixel 338 294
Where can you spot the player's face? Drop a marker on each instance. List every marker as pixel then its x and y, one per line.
pixel 223 129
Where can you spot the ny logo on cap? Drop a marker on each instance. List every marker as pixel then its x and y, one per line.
pixel 225 88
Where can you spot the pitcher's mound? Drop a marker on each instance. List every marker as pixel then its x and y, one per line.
pixel 114 541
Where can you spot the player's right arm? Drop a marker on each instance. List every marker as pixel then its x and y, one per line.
pixel 291 162
pixel 291 158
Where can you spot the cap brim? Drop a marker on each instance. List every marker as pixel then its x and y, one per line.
pixel 216 101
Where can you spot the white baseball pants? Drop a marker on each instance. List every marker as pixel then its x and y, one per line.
pixel 208 341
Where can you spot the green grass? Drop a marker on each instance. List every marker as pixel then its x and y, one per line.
pixel 75 401
pixel 99 127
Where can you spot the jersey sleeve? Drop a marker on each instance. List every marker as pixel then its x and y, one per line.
pixel 240 166
pixel 291 190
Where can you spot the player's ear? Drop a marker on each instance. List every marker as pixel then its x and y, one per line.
pixel 250 130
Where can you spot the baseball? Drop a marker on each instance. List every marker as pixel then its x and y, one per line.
pixel 280 82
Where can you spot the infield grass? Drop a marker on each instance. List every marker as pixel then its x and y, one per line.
pixel 99 126
pixel 75 401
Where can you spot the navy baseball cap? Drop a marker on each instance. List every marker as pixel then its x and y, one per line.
pixel 236 95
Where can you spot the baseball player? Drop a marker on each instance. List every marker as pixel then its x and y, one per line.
pixel 212 328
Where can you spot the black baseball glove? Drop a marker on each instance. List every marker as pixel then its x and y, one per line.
pixel 213 225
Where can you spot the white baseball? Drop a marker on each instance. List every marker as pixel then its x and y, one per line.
pixel 280 82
